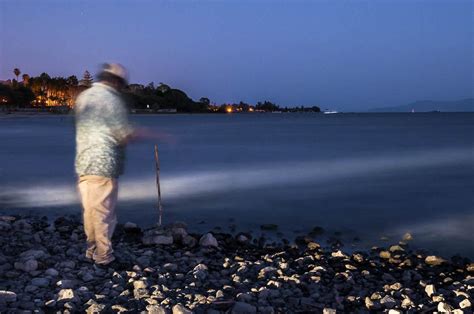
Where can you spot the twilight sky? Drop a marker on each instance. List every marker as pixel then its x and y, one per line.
pixel 345 55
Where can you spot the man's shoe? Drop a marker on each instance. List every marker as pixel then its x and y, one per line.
pixel 85 259
pixel 114 265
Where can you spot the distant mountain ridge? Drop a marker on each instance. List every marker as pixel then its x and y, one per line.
pixel 464 105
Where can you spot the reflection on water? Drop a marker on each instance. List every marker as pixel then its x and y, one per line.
pixel 200 183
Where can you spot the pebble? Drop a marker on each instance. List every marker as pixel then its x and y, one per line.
pixel 87 277
pixel 407 237
pixel 338 254
pixel 430 290
pixel 40 282
pixel 312 246
pixel 396 248
pixel 159 239
pixel 65 284
pixel 388 301
pixel 189 241
pixel 242 238
pixel 170 267
pixel 95 308
pixel 66 295
pixel 33 254
pixel 155 309
pixel 180 309
pixel 130 225
pixel 238 277
pixel 470 267
pixel 465 304
pixel 444 307
pixel 243 308
pixel 51 272
pixel 7 296
pixel 27 266
pixel 434 260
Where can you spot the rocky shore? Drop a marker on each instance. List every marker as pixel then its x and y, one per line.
pixel 170 270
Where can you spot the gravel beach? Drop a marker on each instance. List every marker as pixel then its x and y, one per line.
pixel 172 270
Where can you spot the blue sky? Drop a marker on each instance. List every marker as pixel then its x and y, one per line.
pixel 346 55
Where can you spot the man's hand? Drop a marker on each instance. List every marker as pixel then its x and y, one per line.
pixel 148 134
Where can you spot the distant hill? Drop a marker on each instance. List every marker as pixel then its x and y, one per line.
pixel 463 105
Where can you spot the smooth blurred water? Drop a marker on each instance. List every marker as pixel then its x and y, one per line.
pixel 369 175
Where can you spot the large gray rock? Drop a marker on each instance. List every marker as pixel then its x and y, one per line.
pixel 7 296
pixel 157 239
pixel 208 240
pixel 178 232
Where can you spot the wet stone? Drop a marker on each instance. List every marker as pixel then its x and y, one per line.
pixel 434 260
pixel 7 296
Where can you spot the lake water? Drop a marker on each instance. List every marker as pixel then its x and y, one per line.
pixel 365 175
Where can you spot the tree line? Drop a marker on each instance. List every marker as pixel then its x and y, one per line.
pixel 44 91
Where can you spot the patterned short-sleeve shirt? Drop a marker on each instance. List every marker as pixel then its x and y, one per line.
pixel 102 127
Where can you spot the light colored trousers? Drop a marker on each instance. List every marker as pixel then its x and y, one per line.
pixel 99 197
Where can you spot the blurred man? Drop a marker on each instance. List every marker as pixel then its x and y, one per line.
pixel 102 132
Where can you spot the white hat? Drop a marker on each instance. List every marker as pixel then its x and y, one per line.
pixel 116 69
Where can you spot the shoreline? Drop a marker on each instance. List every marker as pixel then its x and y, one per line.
pixel 70 113
pixel 173 270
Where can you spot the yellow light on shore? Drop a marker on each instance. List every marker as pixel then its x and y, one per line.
pixel 250 109
pixel 229 109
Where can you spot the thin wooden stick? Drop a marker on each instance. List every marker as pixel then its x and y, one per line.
pixel 157 163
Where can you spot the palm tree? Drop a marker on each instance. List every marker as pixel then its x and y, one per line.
pixel 17 73
pixel 26 79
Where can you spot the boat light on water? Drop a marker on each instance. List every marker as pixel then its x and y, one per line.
pixel 330 112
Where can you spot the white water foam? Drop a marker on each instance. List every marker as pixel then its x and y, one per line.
pixel 201 183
